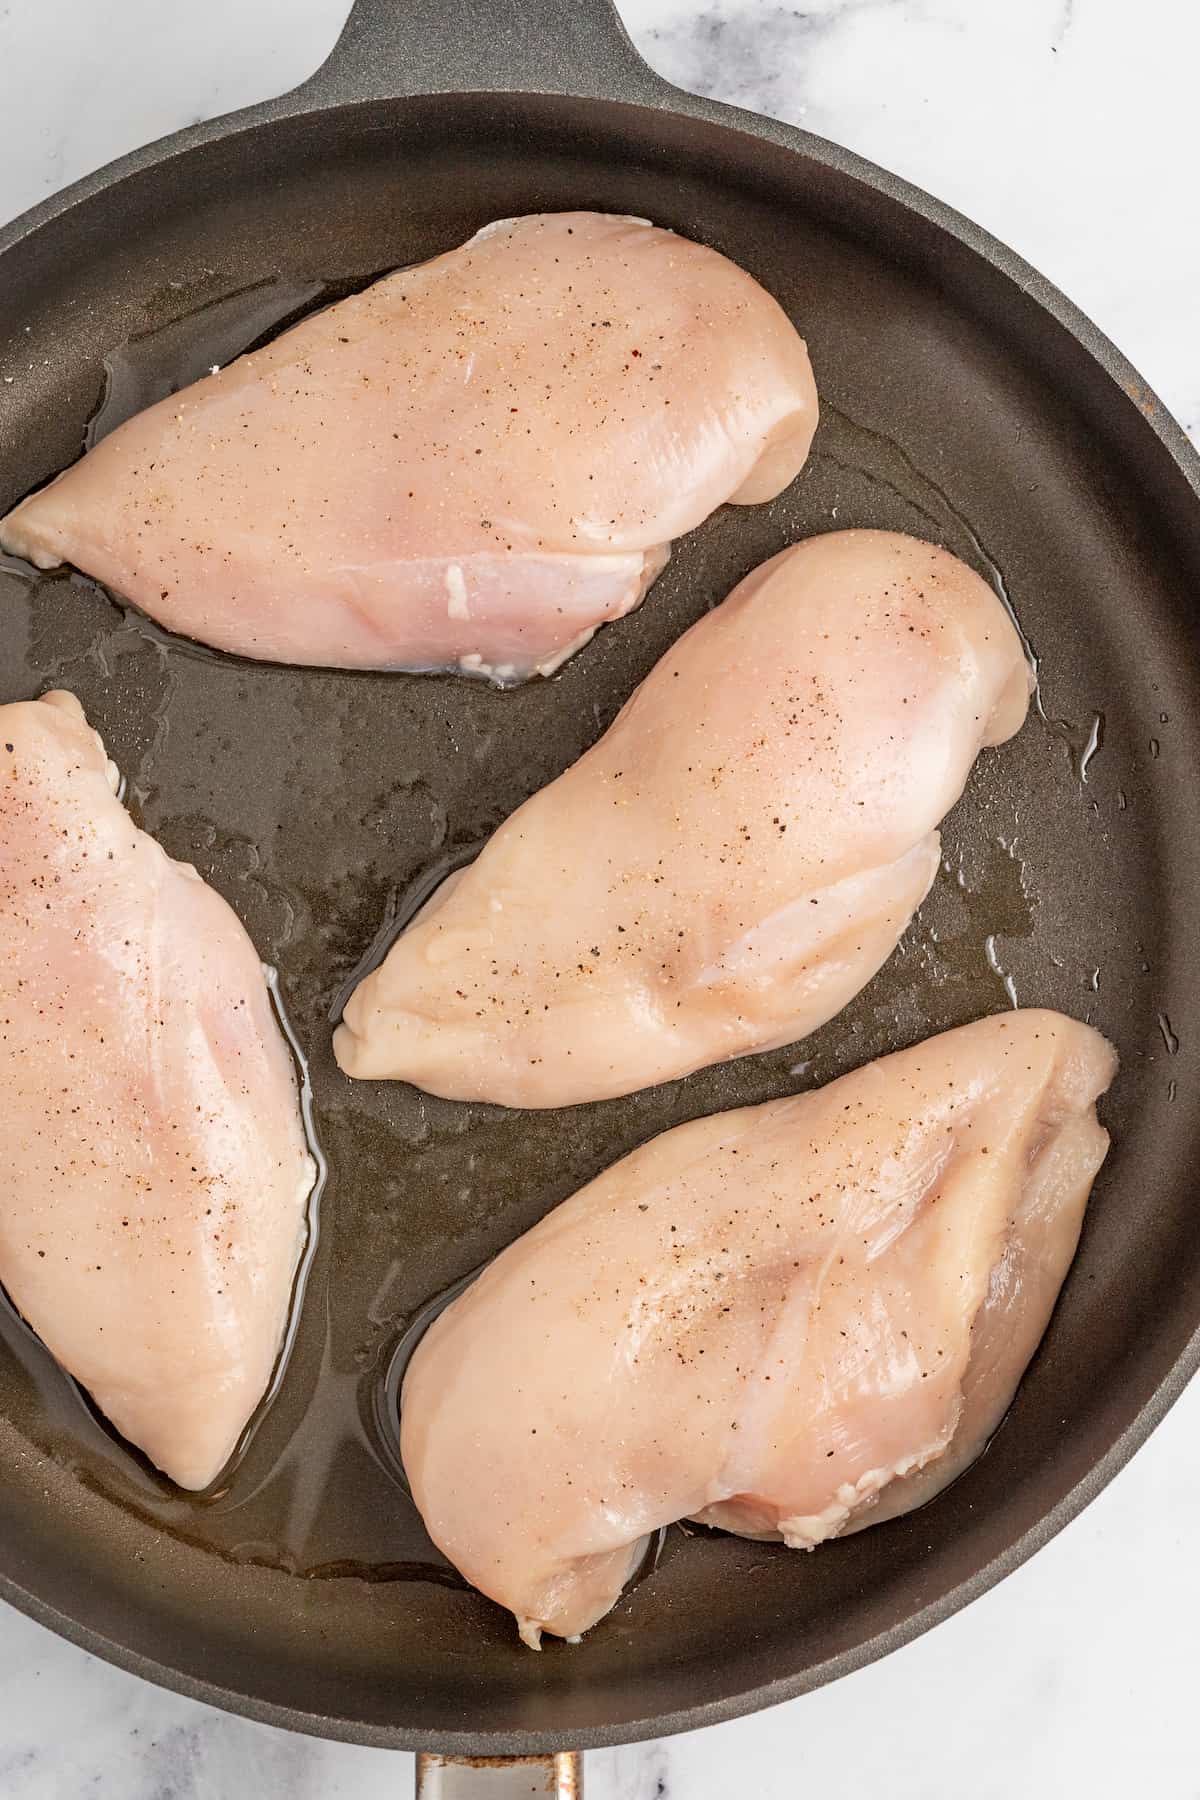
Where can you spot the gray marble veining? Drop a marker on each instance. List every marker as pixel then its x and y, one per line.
pixel 1063 125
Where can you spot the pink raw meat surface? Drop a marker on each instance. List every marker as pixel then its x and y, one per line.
pixel 733 860
pixel 791 1320
pixel 156 1173
pixel 471 465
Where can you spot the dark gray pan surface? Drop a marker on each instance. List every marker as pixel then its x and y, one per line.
pixel 956 406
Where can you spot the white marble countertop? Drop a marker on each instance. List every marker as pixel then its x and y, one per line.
pixel 1065 127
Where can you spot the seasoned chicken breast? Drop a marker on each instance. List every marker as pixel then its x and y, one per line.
pixel 732 861
pixel 790 1320
pixel 471 465
pixel 156 1172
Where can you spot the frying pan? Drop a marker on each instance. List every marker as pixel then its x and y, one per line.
pixel 964 399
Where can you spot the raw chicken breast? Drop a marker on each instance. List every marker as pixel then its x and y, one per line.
pixel 790 1320
pixel 733 860
pixel 155 1166
pixel 474 463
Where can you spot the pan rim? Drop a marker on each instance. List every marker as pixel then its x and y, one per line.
pixel 293 107
pixel 1135 392
pixel 709 1712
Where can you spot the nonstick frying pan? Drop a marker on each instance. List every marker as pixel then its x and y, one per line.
pixel 965 400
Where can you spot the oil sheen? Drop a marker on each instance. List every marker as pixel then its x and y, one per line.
pixel 325 804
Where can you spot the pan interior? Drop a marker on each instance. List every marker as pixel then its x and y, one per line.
pixel 319 803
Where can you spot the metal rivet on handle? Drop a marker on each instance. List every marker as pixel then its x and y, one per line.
pixel 557 1777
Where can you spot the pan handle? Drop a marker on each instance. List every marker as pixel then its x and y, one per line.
pixel 392 48
pixel 389 49
pixel 558 1777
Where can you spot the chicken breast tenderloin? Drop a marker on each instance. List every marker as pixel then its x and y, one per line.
pixel 790 1320
pixel 472 464
pixel 156 1170
pixel 732 861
